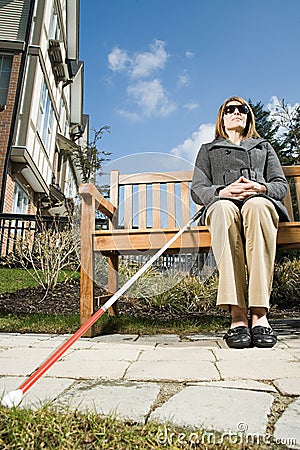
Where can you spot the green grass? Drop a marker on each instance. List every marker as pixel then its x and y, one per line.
pixel 38 323
pixel 47 428
pixel 13 280
pixel 132 325
pixel 124 324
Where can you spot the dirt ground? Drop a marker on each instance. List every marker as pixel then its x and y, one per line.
pixel 65 300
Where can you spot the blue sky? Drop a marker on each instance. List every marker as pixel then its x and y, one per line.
pixel 156 71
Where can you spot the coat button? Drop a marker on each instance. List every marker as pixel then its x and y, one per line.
pixel 227 152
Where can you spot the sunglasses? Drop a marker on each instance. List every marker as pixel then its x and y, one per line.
pixel 243 109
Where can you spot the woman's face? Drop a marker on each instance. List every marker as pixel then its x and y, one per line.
pixel 235 116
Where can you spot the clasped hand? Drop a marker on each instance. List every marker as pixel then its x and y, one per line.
pixel 242 189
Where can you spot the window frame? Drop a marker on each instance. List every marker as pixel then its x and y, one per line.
pixel 5 87
pixel 20 190
pixel 45 117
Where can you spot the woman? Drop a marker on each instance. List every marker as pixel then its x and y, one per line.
pixel 239 179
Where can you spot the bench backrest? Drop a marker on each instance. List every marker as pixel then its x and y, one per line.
pixel 162 199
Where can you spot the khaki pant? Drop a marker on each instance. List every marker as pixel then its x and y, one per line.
pixel 244 246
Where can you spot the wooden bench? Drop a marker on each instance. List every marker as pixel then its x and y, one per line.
pixel 145 210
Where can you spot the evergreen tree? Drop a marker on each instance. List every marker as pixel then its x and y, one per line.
pixel 266 126
pixel 289 119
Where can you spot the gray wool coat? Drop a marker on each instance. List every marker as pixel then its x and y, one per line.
pixel 220 163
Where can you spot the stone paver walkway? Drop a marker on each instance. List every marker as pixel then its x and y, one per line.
pixel 190 381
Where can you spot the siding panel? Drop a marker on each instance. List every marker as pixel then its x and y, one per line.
pixel 13 19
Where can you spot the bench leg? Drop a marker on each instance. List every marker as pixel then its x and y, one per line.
pixel 112 287
pixel 86 301
pixel 87 263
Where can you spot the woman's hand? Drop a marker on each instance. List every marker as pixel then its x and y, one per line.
pixel 242 189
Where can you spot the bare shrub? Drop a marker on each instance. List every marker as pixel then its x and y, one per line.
pixel 45 254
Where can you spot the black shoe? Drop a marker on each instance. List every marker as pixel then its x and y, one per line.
pixel 238 337
pixel 263 337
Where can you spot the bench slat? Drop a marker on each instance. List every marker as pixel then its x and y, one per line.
pixel 155 177
pixel 171 209
pixel 287 201
pixel 142 206
pixel 291 171
pixel 185 202
pixel 156 205
pixel 128 207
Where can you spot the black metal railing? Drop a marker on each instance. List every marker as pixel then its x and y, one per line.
pixel 14 227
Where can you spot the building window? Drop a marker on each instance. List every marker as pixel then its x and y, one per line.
pixel 45 117
pixel 21 200
pixel 55 30
pixel 5 71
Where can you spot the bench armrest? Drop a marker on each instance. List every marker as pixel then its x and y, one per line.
pixel 101 203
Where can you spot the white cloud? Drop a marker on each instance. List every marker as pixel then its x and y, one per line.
pixel 117 59
pixel 140 65
pixel 183 79
pixel 189 54
pixel 132 116
pixel 191 106
pixel 190 146
pixel 151 97
pixel 144 64
pixel 144 89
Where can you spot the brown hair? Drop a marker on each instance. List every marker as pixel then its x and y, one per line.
pixel 249 131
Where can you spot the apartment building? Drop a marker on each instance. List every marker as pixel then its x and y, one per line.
pixel 41 95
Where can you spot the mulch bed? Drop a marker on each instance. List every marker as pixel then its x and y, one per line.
pixel 64 300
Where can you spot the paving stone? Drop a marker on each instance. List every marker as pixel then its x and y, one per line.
pixel 121 346
pixel 123 400
pixel 21 361
pixel 248 385
pixel 8 335
pixel 215 408
pixel 110 362
pixel 288 386
pixel 158 339
pixel 54 344
pixel 287 428
pixel 261 369
pixel 89 368
pixel 177 354
pixel 253 354
pixel 211 344
pixel 43 391
pixel 117 338
pixel 294 352
pixel 292 342
pixel 23 340
pixel 190 370
pixel 202 337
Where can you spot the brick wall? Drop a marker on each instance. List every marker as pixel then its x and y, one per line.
pixel 9 195
pixel 5 125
